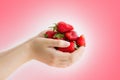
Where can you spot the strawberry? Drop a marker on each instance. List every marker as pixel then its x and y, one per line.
pixel 64 31
pixel 49 34
pixel 70 48
pixel 62 27
pixel 71 35
pixel 81 41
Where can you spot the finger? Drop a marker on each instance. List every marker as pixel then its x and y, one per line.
pixel 57 43
pixel 79 50
pixel 76 54
pixel 53 42
pixel 60 55
pixel 60 59
pixel 59 63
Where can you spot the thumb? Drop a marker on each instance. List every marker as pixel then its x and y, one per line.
pixel 55 43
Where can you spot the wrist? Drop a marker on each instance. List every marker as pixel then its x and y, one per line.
pixel 10 60
pixel 27 47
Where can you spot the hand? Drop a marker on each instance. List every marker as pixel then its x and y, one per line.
pixel 42 49
pixel 38 48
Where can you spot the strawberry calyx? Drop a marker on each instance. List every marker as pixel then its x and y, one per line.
pixel 54 28
pixel 58 36
pixel 45 35
pixel 75 45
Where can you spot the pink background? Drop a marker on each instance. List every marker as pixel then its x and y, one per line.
pixel 98 20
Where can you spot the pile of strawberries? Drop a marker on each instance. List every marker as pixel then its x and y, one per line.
pixel 64 31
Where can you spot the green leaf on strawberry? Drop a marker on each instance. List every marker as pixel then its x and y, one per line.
pixel 45 35
pixel 75 45
pixel 58 36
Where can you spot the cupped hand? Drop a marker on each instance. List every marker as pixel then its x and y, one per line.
pixel 42 49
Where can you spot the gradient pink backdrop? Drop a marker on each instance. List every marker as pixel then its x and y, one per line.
pixel 98 20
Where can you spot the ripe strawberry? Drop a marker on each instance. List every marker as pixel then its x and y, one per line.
pixel 64 31
pixel 71 35
pixel 49 34
pixel 62 27
pixel 70 48
pixel 80 41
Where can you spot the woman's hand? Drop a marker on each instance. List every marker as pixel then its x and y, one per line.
pixel 42 49
pixel 38 48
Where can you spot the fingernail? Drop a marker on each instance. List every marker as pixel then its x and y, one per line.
pixel 67 44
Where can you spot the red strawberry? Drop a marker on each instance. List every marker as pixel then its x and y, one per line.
pixel 62 27
pixel 71 35
pixel 49 34
pixel 80 41
pixel 70 48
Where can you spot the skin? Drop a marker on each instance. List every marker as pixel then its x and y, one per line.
pixel 38 48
